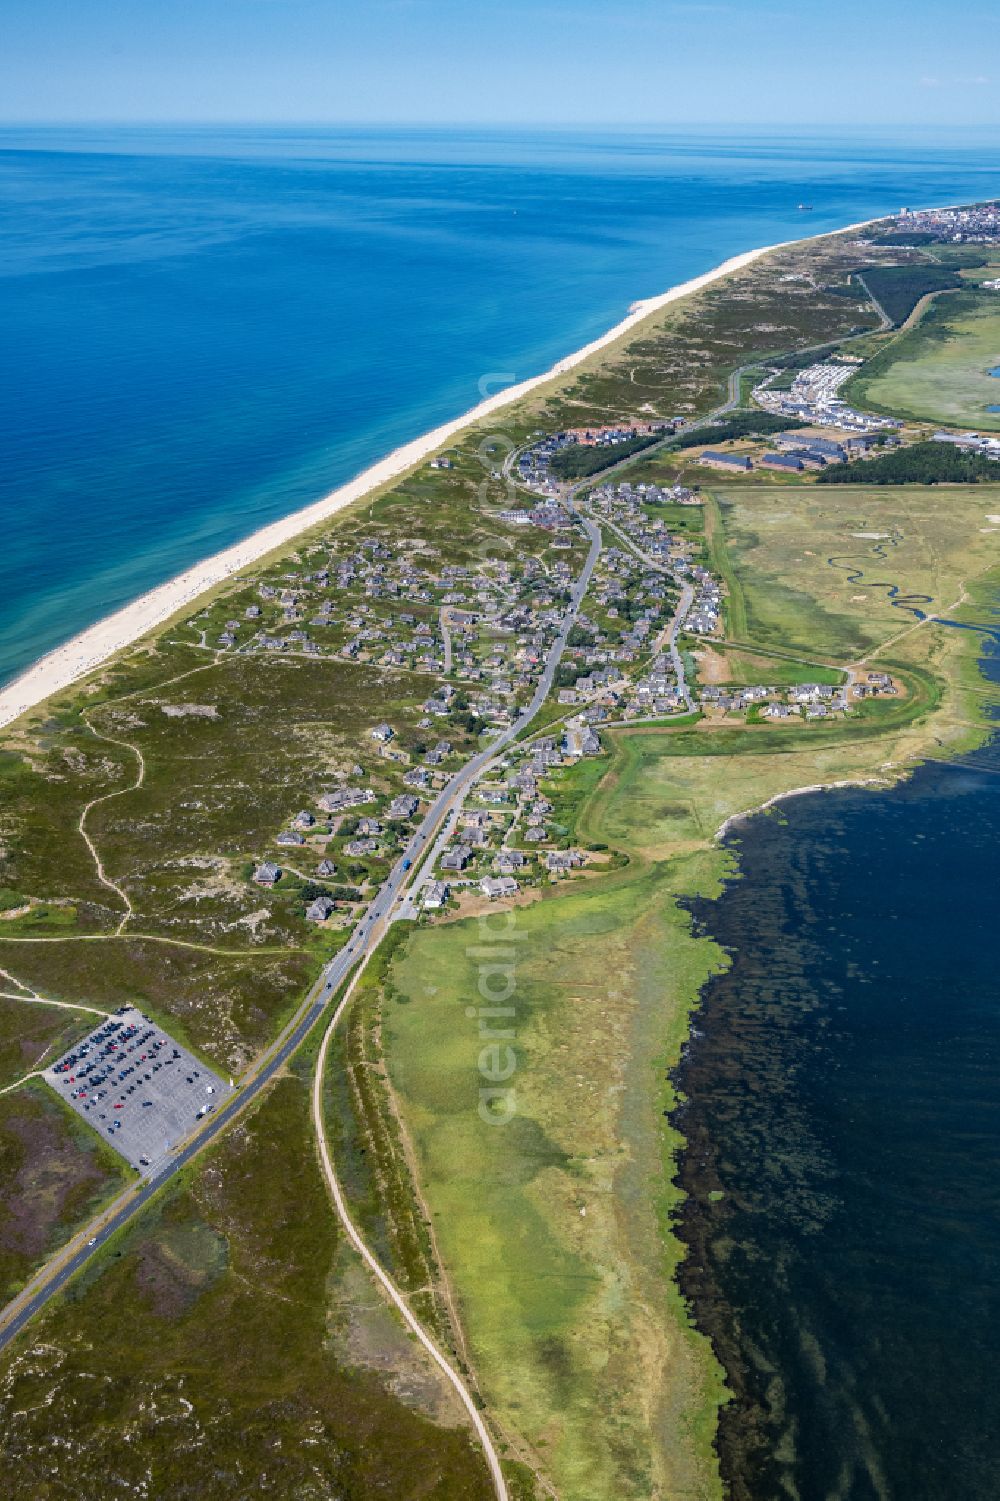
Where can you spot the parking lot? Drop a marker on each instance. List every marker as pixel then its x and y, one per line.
pixel 138 1088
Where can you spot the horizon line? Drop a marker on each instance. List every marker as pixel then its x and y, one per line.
pixel 687 124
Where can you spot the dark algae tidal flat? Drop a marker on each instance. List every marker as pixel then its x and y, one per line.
pixel 843 1166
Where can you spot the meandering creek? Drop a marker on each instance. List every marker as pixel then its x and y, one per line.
pixel 856 575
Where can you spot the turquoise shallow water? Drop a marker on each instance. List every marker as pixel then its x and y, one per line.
pixel 204 330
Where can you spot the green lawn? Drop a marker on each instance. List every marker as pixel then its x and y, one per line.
pixel 552 1226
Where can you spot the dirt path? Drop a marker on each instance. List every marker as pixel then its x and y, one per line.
pixel 382 1278
pixel 446 637
pixel 42 1000
pixel 177 943
pixel 35 1074
pixel 106 797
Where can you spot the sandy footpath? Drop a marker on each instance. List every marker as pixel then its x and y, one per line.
pixel 73 660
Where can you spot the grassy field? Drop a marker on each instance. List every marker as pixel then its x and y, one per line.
pixel 227 1344
pixel 554 1230
pixel 811 569
pixel 551 1226
pixel 938 370
pixel 737 668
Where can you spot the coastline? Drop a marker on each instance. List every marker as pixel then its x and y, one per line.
pixel 883 783
pixel 66 664
pixel 723 1120
pixel 671 993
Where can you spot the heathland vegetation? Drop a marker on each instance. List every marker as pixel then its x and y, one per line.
pixel 249 1350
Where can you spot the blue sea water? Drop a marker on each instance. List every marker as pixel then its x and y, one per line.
pixel 203 330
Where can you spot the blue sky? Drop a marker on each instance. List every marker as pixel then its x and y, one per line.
pixel 644 62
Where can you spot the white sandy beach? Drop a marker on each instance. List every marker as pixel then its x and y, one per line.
pixel 72 661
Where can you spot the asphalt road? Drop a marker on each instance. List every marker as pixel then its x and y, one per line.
pixel 58 1271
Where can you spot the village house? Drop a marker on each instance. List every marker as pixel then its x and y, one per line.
pixel 495 887
pixel 320 909
pixel 267 874
pixel 457 858
pixel 403 806
pixel 358 847
pixel 342 798
pixel 560 862
pixel 436 894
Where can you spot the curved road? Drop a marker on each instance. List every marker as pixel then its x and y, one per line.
pixel 684 604
pixel 64 1265
pixel 52 1277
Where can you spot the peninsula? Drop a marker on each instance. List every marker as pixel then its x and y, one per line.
pixel 344 940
